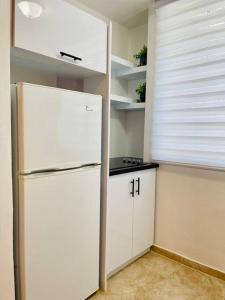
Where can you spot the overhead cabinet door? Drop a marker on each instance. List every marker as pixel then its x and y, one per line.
pixel 62 27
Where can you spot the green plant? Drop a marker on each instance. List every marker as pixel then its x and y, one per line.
pixel 141 89
pixel 141 53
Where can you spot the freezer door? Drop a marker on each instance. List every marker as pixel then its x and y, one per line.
pixel 57 128
pixel 59 218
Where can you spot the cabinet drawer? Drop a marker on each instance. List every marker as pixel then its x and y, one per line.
pixel 63 27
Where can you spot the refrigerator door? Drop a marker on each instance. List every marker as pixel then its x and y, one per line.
pixel 57 128
pixel 59 216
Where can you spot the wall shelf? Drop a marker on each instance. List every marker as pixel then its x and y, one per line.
pixel 131 107
pixel 124 69
pixel 132 73
pixel 120 64
pixel 116 99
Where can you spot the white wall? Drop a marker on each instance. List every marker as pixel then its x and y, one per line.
pixel 190 214
pixel 118 133
pixel 6 210
pixel 137 39
pixel 120 36
pixel 126 133
pixel 19 74
pixel 135 133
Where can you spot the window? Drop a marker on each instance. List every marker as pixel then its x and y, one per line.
pixel 189 107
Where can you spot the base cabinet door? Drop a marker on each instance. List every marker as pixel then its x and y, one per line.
pixel 120 211
pixel 144 209
pixel 130 228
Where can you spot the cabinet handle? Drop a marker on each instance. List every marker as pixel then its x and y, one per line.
pixel 132 193
pixel 69 55
pixel 138 182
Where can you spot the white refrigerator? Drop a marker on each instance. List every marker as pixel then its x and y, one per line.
pixel 57 164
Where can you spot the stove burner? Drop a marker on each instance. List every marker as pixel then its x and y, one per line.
pixel 133 161
pixel 124 162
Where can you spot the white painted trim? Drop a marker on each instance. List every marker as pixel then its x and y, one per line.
pixel 105 168
pixel 150 83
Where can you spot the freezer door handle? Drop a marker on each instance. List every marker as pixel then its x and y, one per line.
pixel 90 165
pixel 50 170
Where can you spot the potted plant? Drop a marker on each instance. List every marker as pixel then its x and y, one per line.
pixel 142 56
pixel 141 91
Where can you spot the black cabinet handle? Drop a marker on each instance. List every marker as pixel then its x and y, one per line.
pixel 138 182
pixel 132 193
pixel 69 55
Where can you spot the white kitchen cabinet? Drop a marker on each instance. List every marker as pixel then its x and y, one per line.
pixel 144 211
pixel 62 27
pixel 120 214
pixel 130 229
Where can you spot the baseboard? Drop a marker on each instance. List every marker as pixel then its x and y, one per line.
pixel 188 262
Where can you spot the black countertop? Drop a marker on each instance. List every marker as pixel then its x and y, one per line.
pixel 121 165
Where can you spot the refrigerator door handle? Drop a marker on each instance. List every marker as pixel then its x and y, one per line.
pixel 50 170
pixel 56 170
pixel 88 108
pixel 89 165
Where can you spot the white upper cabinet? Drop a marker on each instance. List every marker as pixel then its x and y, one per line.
pixel 62 27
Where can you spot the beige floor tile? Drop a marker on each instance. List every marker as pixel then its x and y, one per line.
pixel 154 277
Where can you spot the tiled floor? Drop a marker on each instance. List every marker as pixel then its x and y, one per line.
pixel 154 277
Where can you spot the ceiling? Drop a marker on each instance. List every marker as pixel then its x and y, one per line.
pixel 120 11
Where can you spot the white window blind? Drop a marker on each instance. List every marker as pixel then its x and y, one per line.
pixel 189 106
